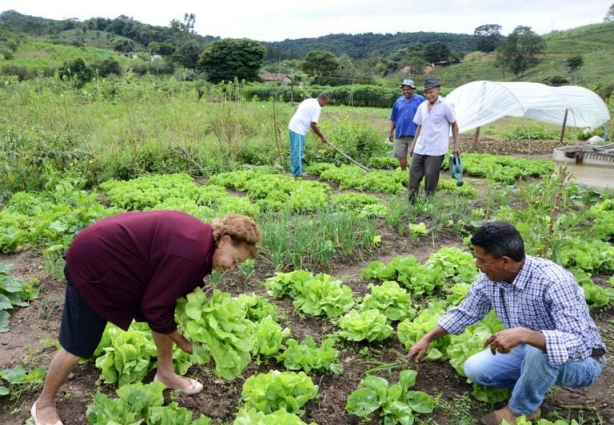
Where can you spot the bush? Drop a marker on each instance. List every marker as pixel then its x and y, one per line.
pixel 605 91
pixel 6 54
pixel 260 153
pixel 154 68
pixel 107 67
pixel 351 95
pixel 556 81
pixel 359 142
pixel 77 72
pixel 28 160
pixel 148 158
pixel 18 71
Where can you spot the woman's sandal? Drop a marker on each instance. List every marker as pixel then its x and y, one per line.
pixel 194 388
pixel 37 422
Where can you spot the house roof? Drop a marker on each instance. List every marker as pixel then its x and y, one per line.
pixel 273 77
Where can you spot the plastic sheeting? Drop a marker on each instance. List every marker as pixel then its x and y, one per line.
pixel 481 102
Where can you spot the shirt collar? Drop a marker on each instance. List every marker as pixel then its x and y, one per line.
pixel 522 278
pixel 524 275
pixel 438 100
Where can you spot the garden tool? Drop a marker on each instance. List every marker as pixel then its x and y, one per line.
pixel 348 157
pixel 456 169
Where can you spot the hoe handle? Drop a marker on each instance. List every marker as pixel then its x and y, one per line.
pixel 346 156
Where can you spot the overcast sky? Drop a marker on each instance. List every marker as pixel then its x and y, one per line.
pixel 276 20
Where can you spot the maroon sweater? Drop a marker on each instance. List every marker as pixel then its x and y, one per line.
pixel 137 264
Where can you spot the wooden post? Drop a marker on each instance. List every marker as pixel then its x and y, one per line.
pixel 476 139
pixel 563 127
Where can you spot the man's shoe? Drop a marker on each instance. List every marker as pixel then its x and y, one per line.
pixel 496 417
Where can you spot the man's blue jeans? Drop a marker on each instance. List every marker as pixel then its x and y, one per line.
pixel 297 148
pixel 528 373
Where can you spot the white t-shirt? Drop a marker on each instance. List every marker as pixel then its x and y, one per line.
pixel 308 111
pixel 434 139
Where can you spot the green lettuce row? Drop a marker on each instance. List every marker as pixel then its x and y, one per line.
pixel 279 417
pixel 396 403
pixel 276 390
pixel 370 325
pixel 140 404
pixel 218 328
pixel 13 293
pixel 307 356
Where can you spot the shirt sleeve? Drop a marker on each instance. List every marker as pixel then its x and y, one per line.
pixel 393 113
pixel 472 309
pixel 315 114
pixel 418 116
pixel 175 277
pixel 450 113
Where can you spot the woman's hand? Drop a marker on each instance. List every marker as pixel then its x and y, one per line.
pixel 181 342
pixel 185 345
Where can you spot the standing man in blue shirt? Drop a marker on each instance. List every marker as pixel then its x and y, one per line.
pixel 549 337
pixel 402 120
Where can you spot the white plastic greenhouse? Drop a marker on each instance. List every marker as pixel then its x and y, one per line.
pixel 481 102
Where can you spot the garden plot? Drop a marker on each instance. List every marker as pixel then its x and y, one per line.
pixel 369 275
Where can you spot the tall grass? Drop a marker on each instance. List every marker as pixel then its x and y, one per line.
pixel 123 129
pixel 127 126
pixel 314 241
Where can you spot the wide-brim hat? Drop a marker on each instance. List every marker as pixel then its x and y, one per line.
pixel 408 82
pixel 430 83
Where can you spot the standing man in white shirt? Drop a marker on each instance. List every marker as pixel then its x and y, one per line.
pixel 306 117
pixel 435 118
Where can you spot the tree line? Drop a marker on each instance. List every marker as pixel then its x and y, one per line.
pixel 336 59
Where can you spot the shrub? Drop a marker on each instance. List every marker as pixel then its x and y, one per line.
pixel 556 81
pixel 19 71
pixel 359 142
pixel 350 95
pixel 154 68
pixel 6 54
pixel 77 72
pixel 107 67
pixel 605 91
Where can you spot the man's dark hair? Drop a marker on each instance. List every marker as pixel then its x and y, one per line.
pixel 499 239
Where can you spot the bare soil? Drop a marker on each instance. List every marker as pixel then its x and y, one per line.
pixel 31 343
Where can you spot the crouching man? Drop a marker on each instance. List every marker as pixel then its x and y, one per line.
pixel 549 337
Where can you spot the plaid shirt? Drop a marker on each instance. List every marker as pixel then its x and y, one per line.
pixel 544 297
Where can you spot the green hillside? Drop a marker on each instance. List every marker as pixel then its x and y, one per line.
pixel 44 45
pixel 37 55
pixel 594 42
pixel 589 38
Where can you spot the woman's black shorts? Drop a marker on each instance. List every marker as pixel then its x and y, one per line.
pixel 81 329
